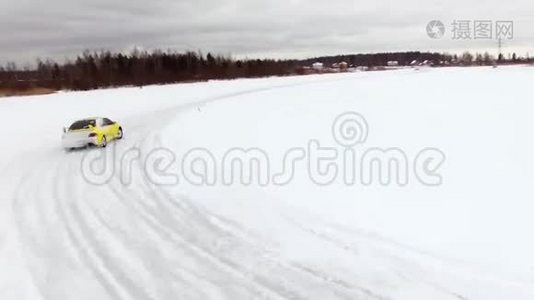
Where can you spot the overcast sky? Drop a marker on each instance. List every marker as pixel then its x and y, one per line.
pixel 59 29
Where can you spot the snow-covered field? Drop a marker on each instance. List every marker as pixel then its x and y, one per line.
pixel 62 237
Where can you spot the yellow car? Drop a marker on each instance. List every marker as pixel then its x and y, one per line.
pixel 91 132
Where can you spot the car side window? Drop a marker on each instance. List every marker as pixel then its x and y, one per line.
pixel 107 122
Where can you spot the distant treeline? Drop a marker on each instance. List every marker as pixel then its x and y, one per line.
pixel 101 70
pixel 106 69
pixel 415 57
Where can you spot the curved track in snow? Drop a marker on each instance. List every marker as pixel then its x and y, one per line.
pixel 81 241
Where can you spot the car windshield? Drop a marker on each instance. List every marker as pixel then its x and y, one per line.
pixel 83 124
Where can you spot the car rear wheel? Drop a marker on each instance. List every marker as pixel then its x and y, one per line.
pixel 104 142
pixel 120 134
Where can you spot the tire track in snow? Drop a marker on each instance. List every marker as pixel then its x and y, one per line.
pixel 80 237
pixel 174 231
pixel 418 266
pixel 151 258
pixel 91 247
pixel 374 246
pixel 20 210
pixel 85 241
pixel 154 217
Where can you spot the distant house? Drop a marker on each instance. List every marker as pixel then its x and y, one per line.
pixel 393 63
pixel 343 65
pixel 318 66
pixel 427 63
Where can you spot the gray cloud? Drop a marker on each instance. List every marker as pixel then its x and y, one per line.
pixel 245 28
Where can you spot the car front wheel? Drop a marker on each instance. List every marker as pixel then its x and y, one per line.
pixel 120 134
pixel 104 142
